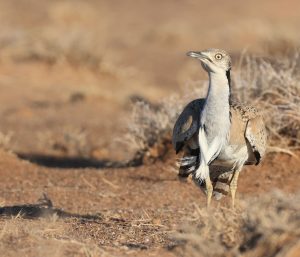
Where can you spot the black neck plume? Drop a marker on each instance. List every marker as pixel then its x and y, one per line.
pixel 229 83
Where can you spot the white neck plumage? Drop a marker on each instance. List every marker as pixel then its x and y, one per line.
pixel 214 122
pixel 215 116
pixel 219 87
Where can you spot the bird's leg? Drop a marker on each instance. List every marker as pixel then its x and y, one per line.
pixel 233 186
pixel 209 190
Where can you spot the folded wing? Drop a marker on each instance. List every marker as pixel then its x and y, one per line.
pixel 187 124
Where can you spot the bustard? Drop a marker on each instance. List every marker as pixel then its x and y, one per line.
pixel 218 136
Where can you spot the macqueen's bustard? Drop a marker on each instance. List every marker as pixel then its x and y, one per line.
pixel 218 136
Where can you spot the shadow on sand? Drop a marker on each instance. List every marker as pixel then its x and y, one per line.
pixel 42 209
pixel 79 162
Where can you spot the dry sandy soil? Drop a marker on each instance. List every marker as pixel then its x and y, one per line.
pixel 69 71
pixel 120 211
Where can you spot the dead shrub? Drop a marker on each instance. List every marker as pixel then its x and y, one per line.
pixel 265 227
pixel 271 225
pixel 43 237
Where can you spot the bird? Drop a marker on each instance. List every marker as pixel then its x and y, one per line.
pixel 217 134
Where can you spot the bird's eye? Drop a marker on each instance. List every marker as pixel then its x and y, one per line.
pixel 218 56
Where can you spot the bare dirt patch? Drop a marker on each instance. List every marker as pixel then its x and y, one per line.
pixel 112 211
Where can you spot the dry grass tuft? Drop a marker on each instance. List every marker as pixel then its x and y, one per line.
pixel 272 86
pixel 272 225
pixel 5 141
pixel 211 233
pixel 266 227
pixel 42 237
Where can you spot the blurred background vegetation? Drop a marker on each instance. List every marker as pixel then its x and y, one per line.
pixel 69 70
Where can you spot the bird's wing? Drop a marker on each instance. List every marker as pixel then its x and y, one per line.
pixel 256 135
pixel 187 123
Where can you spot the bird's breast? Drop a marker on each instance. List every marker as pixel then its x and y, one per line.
pixel 232 154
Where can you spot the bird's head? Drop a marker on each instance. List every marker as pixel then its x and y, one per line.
pixel 213 60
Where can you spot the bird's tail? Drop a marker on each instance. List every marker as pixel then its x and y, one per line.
pixel 189 162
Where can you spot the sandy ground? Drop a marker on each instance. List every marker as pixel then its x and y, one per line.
pixel 68 74
pixel 122 211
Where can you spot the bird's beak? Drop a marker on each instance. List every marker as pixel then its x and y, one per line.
pixel 198 55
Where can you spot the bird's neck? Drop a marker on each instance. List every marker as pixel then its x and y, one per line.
pixel 219 87
pixel 217 107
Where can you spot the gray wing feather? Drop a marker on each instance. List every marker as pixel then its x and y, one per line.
pixel 187 123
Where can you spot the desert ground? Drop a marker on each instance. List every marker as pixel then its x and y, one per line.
pixel 89 94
